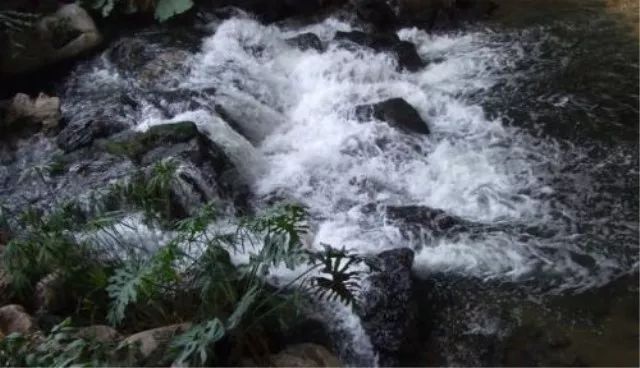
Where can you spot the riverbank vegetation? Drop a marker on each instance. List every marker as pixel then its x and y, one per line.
pixel 90 264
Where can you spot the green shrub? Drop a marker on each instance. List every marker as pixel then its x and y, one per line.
pixel 189 276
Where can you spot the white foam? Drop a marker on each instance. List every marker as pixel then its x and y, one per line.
pixel 299 108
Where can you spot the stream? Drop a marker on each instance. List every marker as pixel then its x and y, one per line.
pixel 533 150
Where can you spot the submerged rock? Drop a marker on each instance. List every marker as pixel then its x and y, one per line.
pixel 404 51
pixel 385 312
pixel 397 112
pixel 67 33
pixel 306 41
pixel 421 217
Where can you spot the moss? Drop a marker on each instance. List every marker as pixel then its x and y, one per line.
pixel 136 145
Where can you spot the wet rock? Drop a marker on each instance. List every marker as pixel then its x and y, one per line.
pixel 99 333
pixel 150 65
pixel 396 112
pixel 168 140
pixel 421 217
pixel 274 10
pixel 305 355
pixel 82 133
pixel 205 171
pixel 152 344
pixel 385 311
pixel 306 41
pixel 13 318
pixel 442 14
pixel 404 51
pixel 376 12
pixel 65 34
pixel 23 112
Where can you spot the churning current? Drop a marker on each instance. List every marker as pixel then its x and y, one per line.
pixel 520 193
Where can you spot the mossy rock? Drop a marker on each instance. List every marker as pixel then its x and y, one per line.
pixel 136 145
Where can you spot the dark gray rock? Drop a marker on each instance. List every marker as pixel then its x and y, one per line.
pixel 149 64
pixel 82 133
pixel 385 311
pixel 404 51
pixel 275 10
pixel 422 217
pixel 442 14
pixel 306 41
pixel 376 12
pixel 396 112
pixel 206 172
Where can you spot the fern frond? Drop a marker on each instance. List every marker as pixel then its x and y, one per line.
pixel 194 346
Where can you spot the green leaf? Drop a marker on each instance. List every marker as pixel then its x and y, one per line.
pixel 241 309
pixel 166 9
pixel 197 342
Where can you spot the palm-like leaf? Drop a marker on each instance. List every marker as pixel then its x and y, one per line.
pixel 342 280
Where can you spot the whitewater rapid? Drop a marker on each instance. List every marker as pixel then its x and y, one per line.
pixel 289 125
pixel 297 110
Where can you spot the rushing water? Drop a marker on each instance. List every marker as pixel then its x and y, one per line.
pixel 533 141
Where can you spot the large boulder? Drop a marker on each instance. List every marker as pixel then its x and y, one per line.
pixel 205 171
pixel 150 65
pixel 385 308
pixel 376 12
pixel 275 10
pixel 152 344
pixel 14 319
pixel 65 34
pixel 22 112
pixel 441 14
pixel 305 355
pixel 396 112
pixel 404 51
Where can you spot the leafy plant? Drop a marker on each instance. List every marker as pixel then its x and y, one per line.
pixel 189 275
pixel 340 281
pixel 137 280
pixel 194 346
pixel 60 348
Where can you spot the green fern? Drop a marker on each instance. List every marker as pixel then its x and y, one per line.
pixel 124 288
pixel 136 281
pixel 195 345
pixel 281 233
pixel 59 348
